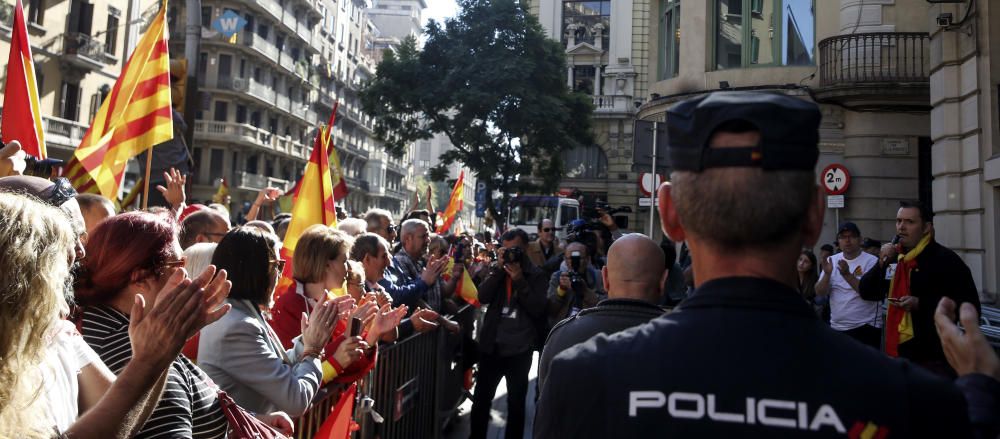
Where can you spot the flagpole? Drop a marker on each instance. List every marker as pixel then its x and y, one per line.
pixel 145 189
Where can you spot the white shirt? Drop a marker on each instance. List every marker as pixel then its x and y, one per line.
pixel 847 309
pixel 66 355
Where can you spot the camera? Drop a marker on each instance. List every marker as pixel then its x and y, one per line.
pixel 575 279
pixel 513 255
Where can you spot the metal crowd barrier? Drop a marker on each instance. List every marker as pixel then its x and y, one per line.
pixel 309 423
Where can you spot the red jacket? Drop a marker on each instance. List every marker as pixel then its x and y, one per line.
pixel 286 317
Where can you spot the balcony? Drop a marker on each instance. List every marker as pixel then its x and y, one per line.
pixel 62 132
pixel 305 32
pixel 266 48
pixel 606 105
pixel 83 51
pixel 284 103
pixel 248 134
pixel 248 86
pixel 287 62
pixel 256 182
pixel 271 7
pixel 871 71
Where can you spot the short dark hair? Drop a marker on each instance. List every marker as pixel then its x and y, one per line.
pixel 368 244
pixel 926 214
pixel 246 254
pixel 515 233
pixel 827 247
pixel 197 223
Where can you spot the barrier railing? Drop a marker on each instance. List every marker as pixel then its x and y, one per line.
pixel 417 386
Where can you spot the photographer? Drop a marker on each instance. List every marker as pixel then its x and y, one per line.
pixel 576 286
pixel 514 293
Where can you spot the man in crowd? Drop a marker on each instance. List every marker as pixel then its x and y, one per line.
pixel 576 286
pixel 842 273
pixel 373 252
pixel 380 223
pixel 633 279
pixel 514 291
pixel 825 251
pixel 743 161
pixel 95 209
pixel 404 279
pixel 872 246
pixel 205 225
pixel 545 252
pixel 926 272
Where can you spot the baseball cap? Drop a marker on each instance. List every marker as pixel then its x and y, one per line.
pixel 849 227
pixel 868 242
pixel 788 126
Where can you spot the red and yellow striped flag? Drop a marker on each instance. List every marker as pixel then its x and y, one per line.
pixel 133 118
pixel 313 202
pixel 337 172
pixel 221 193
pixel 21 119
pixel 454 204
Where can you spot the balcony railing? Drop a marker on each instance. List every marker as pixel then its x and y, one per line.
pixel 83 50
pixel 613 103
pixel 284 103
pixel 246 180
pixel 882 57
pixel 65 132
pixel 239 132
pixel 263 46
pixel 271 6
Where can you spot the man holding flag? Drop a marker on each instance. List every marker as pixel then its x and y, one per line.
pixel 916 274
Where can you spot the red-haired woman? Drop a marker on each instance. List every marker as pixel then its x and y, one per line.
pixel 135 253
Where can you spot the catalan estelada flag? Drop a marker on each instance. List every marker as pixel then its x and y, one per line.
pixel 21 119
pixel 133 118
pixel 313 203
pixel 454 204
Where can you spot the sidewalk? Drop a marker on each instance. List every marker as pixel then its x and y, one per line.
pixel 460 430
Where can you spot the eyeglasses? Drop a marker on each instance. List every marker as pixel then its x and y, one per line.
pixel 179 263
pixel 278 264
pixel 61 192
pixel 547 229
pixel 392 228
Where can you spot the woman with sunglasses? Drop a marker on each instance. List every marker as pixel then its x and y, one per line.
pixel 242 353
pixel 127 255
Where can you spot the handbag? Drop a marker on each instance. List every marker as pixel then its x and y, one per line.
pixel 243 425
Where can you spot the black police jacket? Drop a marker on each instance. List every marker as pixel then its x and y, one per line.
pixel 608 317
pixel 939 273
pixel 747 358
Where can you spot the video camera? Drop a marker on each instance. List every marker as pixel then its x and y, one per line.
pixel 513 255
pixel 575 279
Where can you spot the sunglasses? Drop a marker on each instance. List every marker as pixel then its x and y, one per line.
pixel 278 264
pixel 392 228
pixel 61 192
pixel 547 229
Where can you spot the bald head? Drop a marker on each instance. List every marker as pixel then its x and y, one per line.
pixel 635 269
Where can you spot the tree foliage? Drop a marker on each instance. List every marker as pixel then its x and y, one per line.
pixel 495 85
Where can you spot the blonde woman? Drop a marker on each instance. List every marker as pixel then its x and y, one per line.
pixel 48 375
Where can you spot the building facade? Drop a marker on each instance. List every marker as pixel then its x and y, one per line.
pixel 79 48
pixel 908 105
pixel 607 50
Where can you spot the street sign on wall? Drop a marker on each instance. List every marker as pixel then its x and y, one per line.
pixel 835 179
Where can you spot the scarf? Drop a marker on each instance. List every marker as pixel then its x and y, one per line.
pixel 899 322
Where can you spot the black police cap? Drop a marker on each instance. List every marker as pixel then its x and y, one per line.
pixel 788 126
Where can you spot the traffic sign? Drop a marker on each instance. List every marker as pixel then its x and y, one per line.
pixel 835 201
pixel 835 179
pixel 647 184
pixel 646 202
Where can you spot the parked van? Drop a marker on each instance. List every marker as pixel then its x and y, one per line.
pixel 527 210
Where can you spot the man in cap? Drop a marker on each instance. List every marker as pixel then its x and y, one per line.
pixel 744 356
pixel 839 279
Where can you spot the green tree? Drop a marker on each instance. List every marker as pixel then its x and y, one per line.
pixel 492 82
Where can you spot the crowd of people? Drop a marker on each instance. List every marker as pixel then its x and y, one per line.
pixel 144 323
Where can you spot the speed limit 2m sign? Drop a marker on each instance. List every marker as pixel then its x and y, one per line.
pixel 835 179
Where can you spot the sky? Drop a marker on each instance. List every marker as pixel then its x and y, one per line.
pixel 439 10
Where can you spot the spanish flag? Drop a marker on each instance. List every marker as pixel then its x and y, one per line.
pixel 133 118
pixel 339 184
pixel 313 202
pixel 899 322
pixel 467 289
pixel 454 204
pixel 21 118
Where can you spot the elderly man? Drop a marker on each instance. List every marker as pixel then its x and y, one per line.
pixel 206 225
pixel 545 252
pixel 404 279
pixel 380 223
pixel 632 278
pixel 728 362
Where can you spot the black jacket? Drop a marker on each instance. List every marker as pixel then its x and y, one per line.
pixel 939 273
pixel 739 343
pixel 608 317
pixel 529 293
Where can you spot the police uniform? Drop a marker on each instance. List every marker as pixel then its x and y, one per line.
pixel 743 357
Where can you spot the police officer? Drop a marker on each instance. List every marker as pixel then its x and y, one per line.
pixel 744 356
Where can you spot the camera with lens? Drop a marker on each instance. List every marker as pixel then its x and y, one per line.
pixel 513 255
pixel 575 279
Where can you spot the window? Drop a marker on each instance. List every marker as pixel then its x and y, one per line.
pixel 585 162
pixel 225 66
pixel 583 79
pixel 69 101
pixel 670 38
pixel 221 112
pixel 770 32
pixel 581 17
pixel 111 36
pixel 241 114
pixel 202 64
pixel 215 163
pixel 36 11
pixel 206 17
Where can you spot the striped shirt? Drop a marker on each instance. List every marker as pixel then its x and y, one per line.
pixel 188 407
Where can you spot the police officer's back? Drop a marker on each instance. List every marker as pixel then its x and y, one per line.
pixel 744 356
